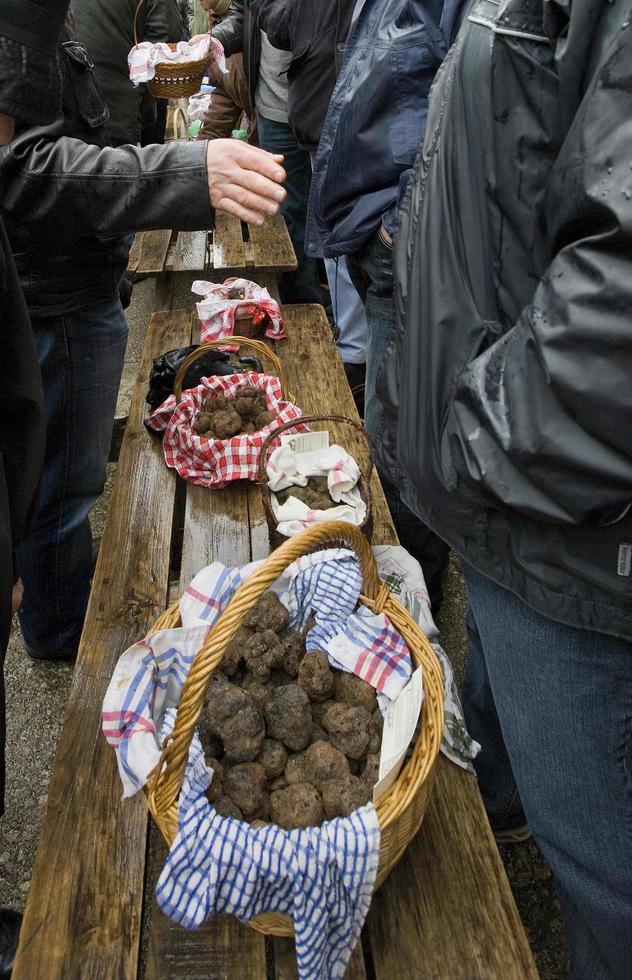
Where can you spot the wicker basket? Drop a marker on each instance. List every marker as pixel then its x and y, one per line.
pixel 237 341
pixel 364 483
pixel 174 81
pixel 179 117
pixel 402 808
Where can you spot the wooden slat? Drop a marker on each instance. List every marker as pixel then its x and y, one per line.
pixel 228 244
pixel 271 245
pixel 154 246
pixel 447 910
pixel 83 911
pixel 134 253
pixel 191 251
pixel 285 962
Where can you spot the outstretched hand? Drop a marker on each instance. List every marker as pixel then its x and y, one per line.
pixel 244 180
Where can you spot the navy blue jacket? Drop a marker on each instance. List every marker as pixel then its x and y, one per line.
pixel 376 119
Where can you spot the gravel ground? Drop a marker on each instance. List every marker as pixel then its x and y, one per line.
pixel 36 699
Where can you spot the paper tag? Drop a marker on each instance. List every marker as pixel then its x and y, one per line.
pixel 306 442
pixel 399 727
pixel 624 565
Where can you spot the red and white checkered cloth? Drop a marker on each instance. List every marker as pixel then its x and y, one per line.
pixel 144 57
pixel 217 312
pixel 215 462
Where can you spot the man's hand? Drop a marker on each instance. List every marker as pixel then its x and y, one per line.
pixel 16 596
pixel 7 127
pixel 244 180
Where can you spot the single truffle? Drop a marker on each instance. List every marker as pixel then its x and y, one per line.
pixel 226 424
pixel 352 690
pixel 348 729
pixel 235 651
pixel 375 732
pixel 294 645
pixel 298 769
pixel 216 789
pixel 218 403
pixel 262 652
pixel 226 808
pixel 277 784
pixel 273 758
pixel 371 770
pixel 264 418
pixel 315 675
pixel 342 797
pixel 325 763
pixel 203 423
pixel 296 807
pixel 268 613
pixel 245 785
pixel 234 717
pixel 289 718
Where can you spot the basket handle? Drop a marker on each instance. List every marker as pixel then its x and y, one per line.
pixel 262 476
pixel 258 347
pixel 138 6
pixel 179 115
pixel 166 780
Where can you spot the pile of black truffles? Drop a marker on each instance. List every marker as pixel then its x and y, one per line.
pixel 243 414
pixel 315 495
pixel 292 741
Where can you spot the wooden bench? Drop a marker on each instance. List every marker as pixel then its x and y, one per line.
pixel 445 912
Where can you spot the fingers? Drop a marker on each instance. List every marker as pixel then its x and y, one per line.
pixel 258 160
pixel 244 214
pixel 248 199
pixel 257 184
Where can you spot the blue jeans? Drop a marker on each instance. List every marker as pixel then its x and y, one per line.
pixel 551 706
pixel 371 272
pixel 349 313
pixel 81 358
pixel 302 286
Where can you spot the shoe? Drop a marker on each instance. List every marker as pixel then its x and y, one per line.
pixel 10 923
pixel 517 835
pixel 57 655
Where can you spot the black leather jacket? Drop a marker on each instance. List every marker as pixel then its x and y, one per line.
pixel 68 199
pixel 237 31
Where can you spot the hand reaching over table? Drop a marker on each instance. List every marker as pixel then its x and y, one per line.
pixel 244 180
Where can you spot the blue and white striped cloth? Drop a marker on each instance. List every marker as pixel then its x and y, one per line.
pixel 322 877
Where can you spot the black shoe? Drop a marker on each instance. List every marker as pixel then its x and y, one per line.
pixel 10 922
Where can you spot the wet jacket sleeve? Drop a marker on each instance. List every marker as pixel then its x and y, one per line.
pixel 275 18
pixel 541 421
pixel 82 188
pixel 30 76
pixel 230 31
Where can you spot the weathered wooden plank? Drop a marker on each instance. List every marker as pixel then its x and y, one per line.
pixel 191 251
pixel 134 253
pixel 227 251
pixel 221 949
pixel 446 911
pixel 271 245
pixel 83 911
pixel 153 251
pixel 285 962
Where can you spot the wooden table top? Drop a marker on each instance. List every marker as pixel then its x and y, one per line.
pixel 447 909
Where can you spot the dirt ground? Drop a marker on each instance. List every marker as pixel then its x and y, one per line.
pixel 36 699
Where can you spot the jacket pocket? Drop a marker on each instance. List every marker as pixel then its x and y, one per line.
pixel 413 68
pixel 89 103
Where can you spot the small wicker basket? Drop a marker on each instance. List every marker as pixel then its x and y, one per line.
pixel 237 341
pixel 402 808
pixel 364 483
pixel 173 81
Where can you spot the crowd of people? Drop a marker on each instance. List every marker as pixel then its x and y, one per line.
pixel 460 173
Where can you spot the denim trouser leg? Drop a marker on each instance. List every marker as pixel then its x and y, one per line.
pixel 302 286
pixel 81 357
pixel 555 703
pixel 349 313
pixel 371 272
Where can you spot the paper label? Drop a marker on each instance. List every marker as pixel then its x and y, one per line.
pixel 306 442
pixel 624 565
pixel 400 723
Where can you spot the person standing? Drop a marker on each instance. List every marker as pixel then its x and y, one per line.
pixel 508 407
pixel 30 94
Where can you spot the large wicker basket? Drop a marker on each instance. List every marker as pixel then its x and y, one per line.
pixel 174 81
pixel 364 483
pixel 402 808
